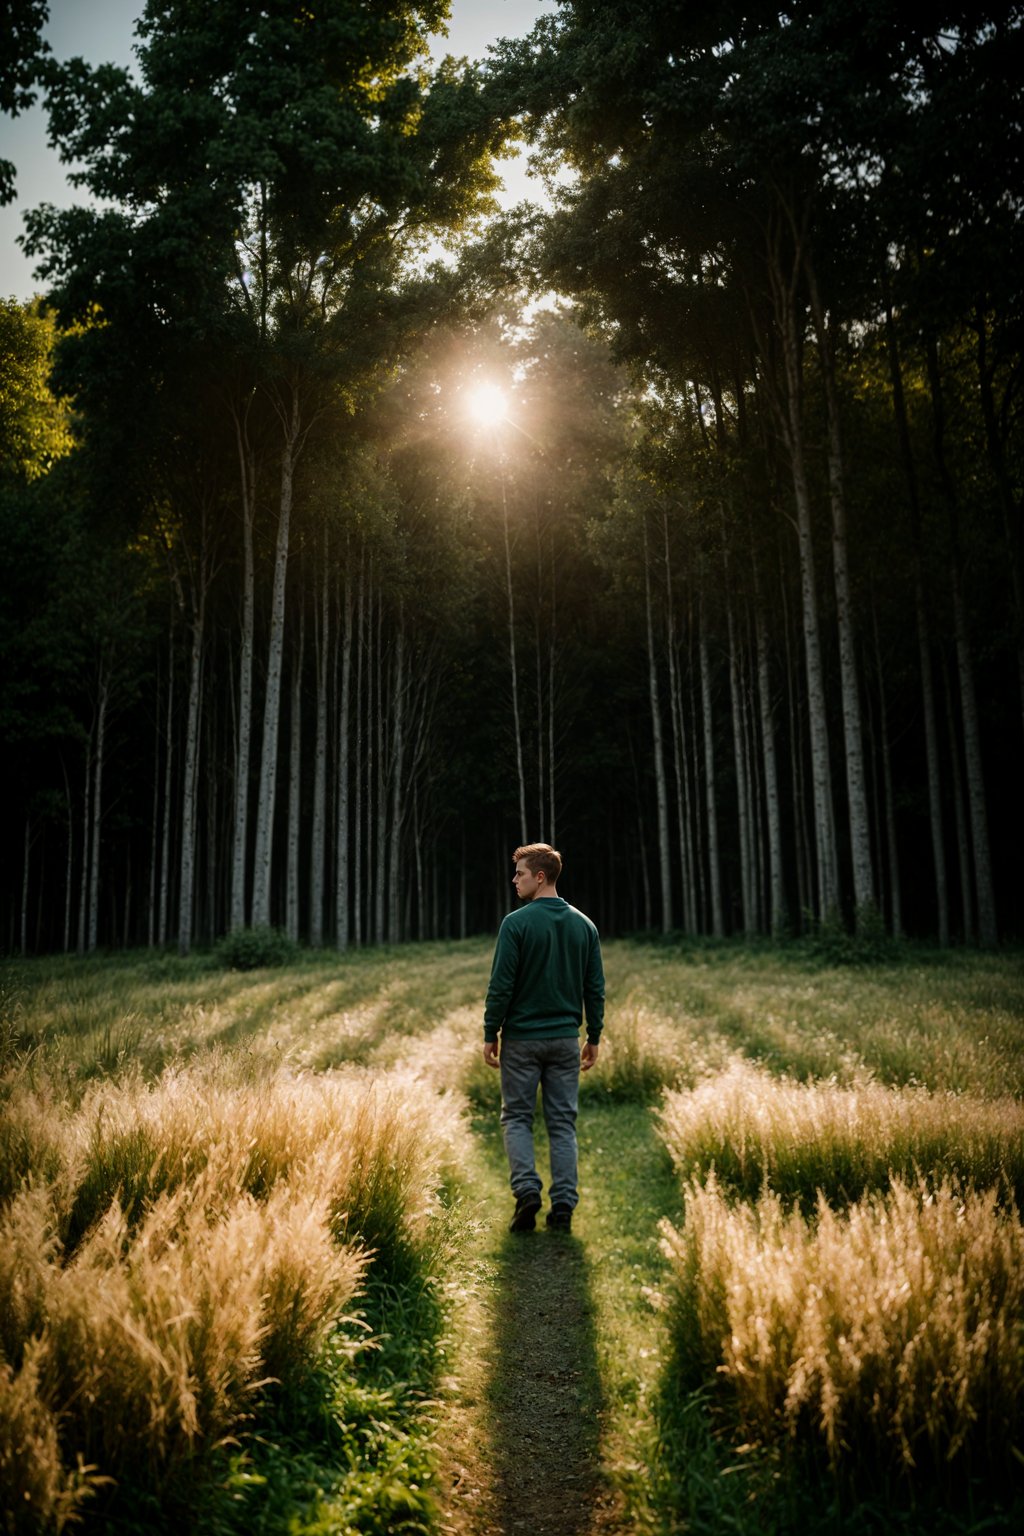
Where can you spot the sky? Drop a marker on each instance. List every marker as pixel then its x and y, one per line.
pixel 101 31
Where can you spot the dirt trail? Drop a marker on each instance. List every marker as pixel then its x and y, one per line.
pixel 523 1430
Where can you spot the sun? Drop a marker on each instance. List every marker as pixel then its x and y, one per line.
pixel 486 405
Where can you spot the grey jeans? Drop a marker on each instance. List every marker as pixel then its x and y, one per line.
pixel 554 1067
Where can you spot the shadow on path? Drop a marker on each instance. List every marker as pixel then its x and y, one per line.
pixel 544 1400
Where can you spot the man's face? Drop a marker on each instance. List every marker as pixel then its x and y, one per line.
pixel 526 883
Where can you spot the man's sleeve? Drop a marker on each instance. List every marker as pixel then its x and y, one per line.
pixel 502 982
pixel 593 992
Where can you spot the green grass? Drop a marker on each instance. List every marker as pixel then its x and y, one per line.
pixel 361 1433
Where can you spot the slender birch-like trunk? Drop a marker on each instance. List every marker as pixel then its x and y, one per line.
pixel 678 740
pixel 963 836
pixel 714 866
pixel 397 783
pixel 538 660
pixel 984 886
pixel 380 799
pixel 776 885
pixel 83 893
pixel 892 847
pixel 341 873
pixel 103 699
pixel 126 926
pixel 186 894
pixel 694 776
pixel 756 791
pixel 291 904
pixel 24 885
pixel 243 741
pixel 660 781
pixel 801 837
pixel 513 667
pixel 552 823
pixel 791 417
pixel 924 648
pixel 264 849
pixel 318 849
pixel 165 838
pixel 357 816
pixel 853 732
pixel 740 765
pixel 1009 501
pixel 679 766
pixel 69 868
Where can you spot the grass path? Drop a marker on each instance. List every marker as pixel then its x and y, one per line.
pixel 548 1428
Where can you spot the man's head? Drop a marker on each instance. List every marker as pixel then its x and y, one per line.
pixel 538 867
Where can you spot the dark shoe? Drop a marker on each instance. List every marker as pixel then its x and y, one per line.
pixel 559 1218
pixel 524 1218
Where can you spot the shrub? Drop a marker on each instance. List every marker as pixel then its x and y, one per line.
pixel 250 949
pixel 888 1336
pixel 754 1130
pixel 192 1254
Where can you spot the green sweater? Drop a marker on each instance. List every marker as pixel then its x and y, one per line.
pixel 547 969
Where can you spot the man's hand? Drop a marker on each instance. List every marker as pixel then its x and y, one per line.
pixel 588 1056
pixel 491 1052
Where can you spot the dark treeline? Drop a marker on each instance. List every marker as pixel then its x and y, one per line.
pixel 727 599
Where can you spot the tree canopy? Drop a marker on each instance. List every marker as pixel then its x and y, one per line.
pixel 728 599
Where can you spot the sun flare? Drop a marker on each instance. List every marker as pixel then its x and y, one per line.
pixel 486 405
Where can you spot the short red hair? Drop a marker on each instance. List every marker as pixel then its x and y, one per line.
pixel 540 856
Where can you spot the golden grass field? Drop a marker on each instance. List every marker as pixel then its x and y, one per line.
pixel 232 1206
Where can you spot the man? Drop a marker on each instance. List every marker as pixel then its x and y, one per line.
pixel 547 970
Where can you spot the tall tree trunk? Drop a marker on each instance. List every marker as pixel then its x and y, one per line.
pixel 984 886
pixel 24 885
pixel 892 848
pixel 243 744
pixel 209 913
pixel 748 921
pixel 797 736
pixel 318 848
pixel 853 733
pixel 380 797
pixel 265 806
pixel 660 781
pixel 552 632
pixel 186 894
pixel 342 896
pixel 784 295
pixel 678 743
pixel 714 865
pixel 154 836
pixel 963 836
pixel 165 838
pixel 924 649
pixel 103 699
pixel 513 668
pixel 83 893
pixel 291 901
pixel 1009 502
pixel 357 816
pixel 69 868
pixel 397 783
pixel 126 928
pixel 776 884
pixel 679 766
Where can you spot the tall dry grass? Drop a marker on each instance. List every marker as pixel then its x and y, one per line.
pixel 170 1248
pixel 888 1335
pixel 755 1129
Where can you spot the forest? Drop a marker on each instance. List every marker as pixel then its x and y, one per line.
pixel 354 531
